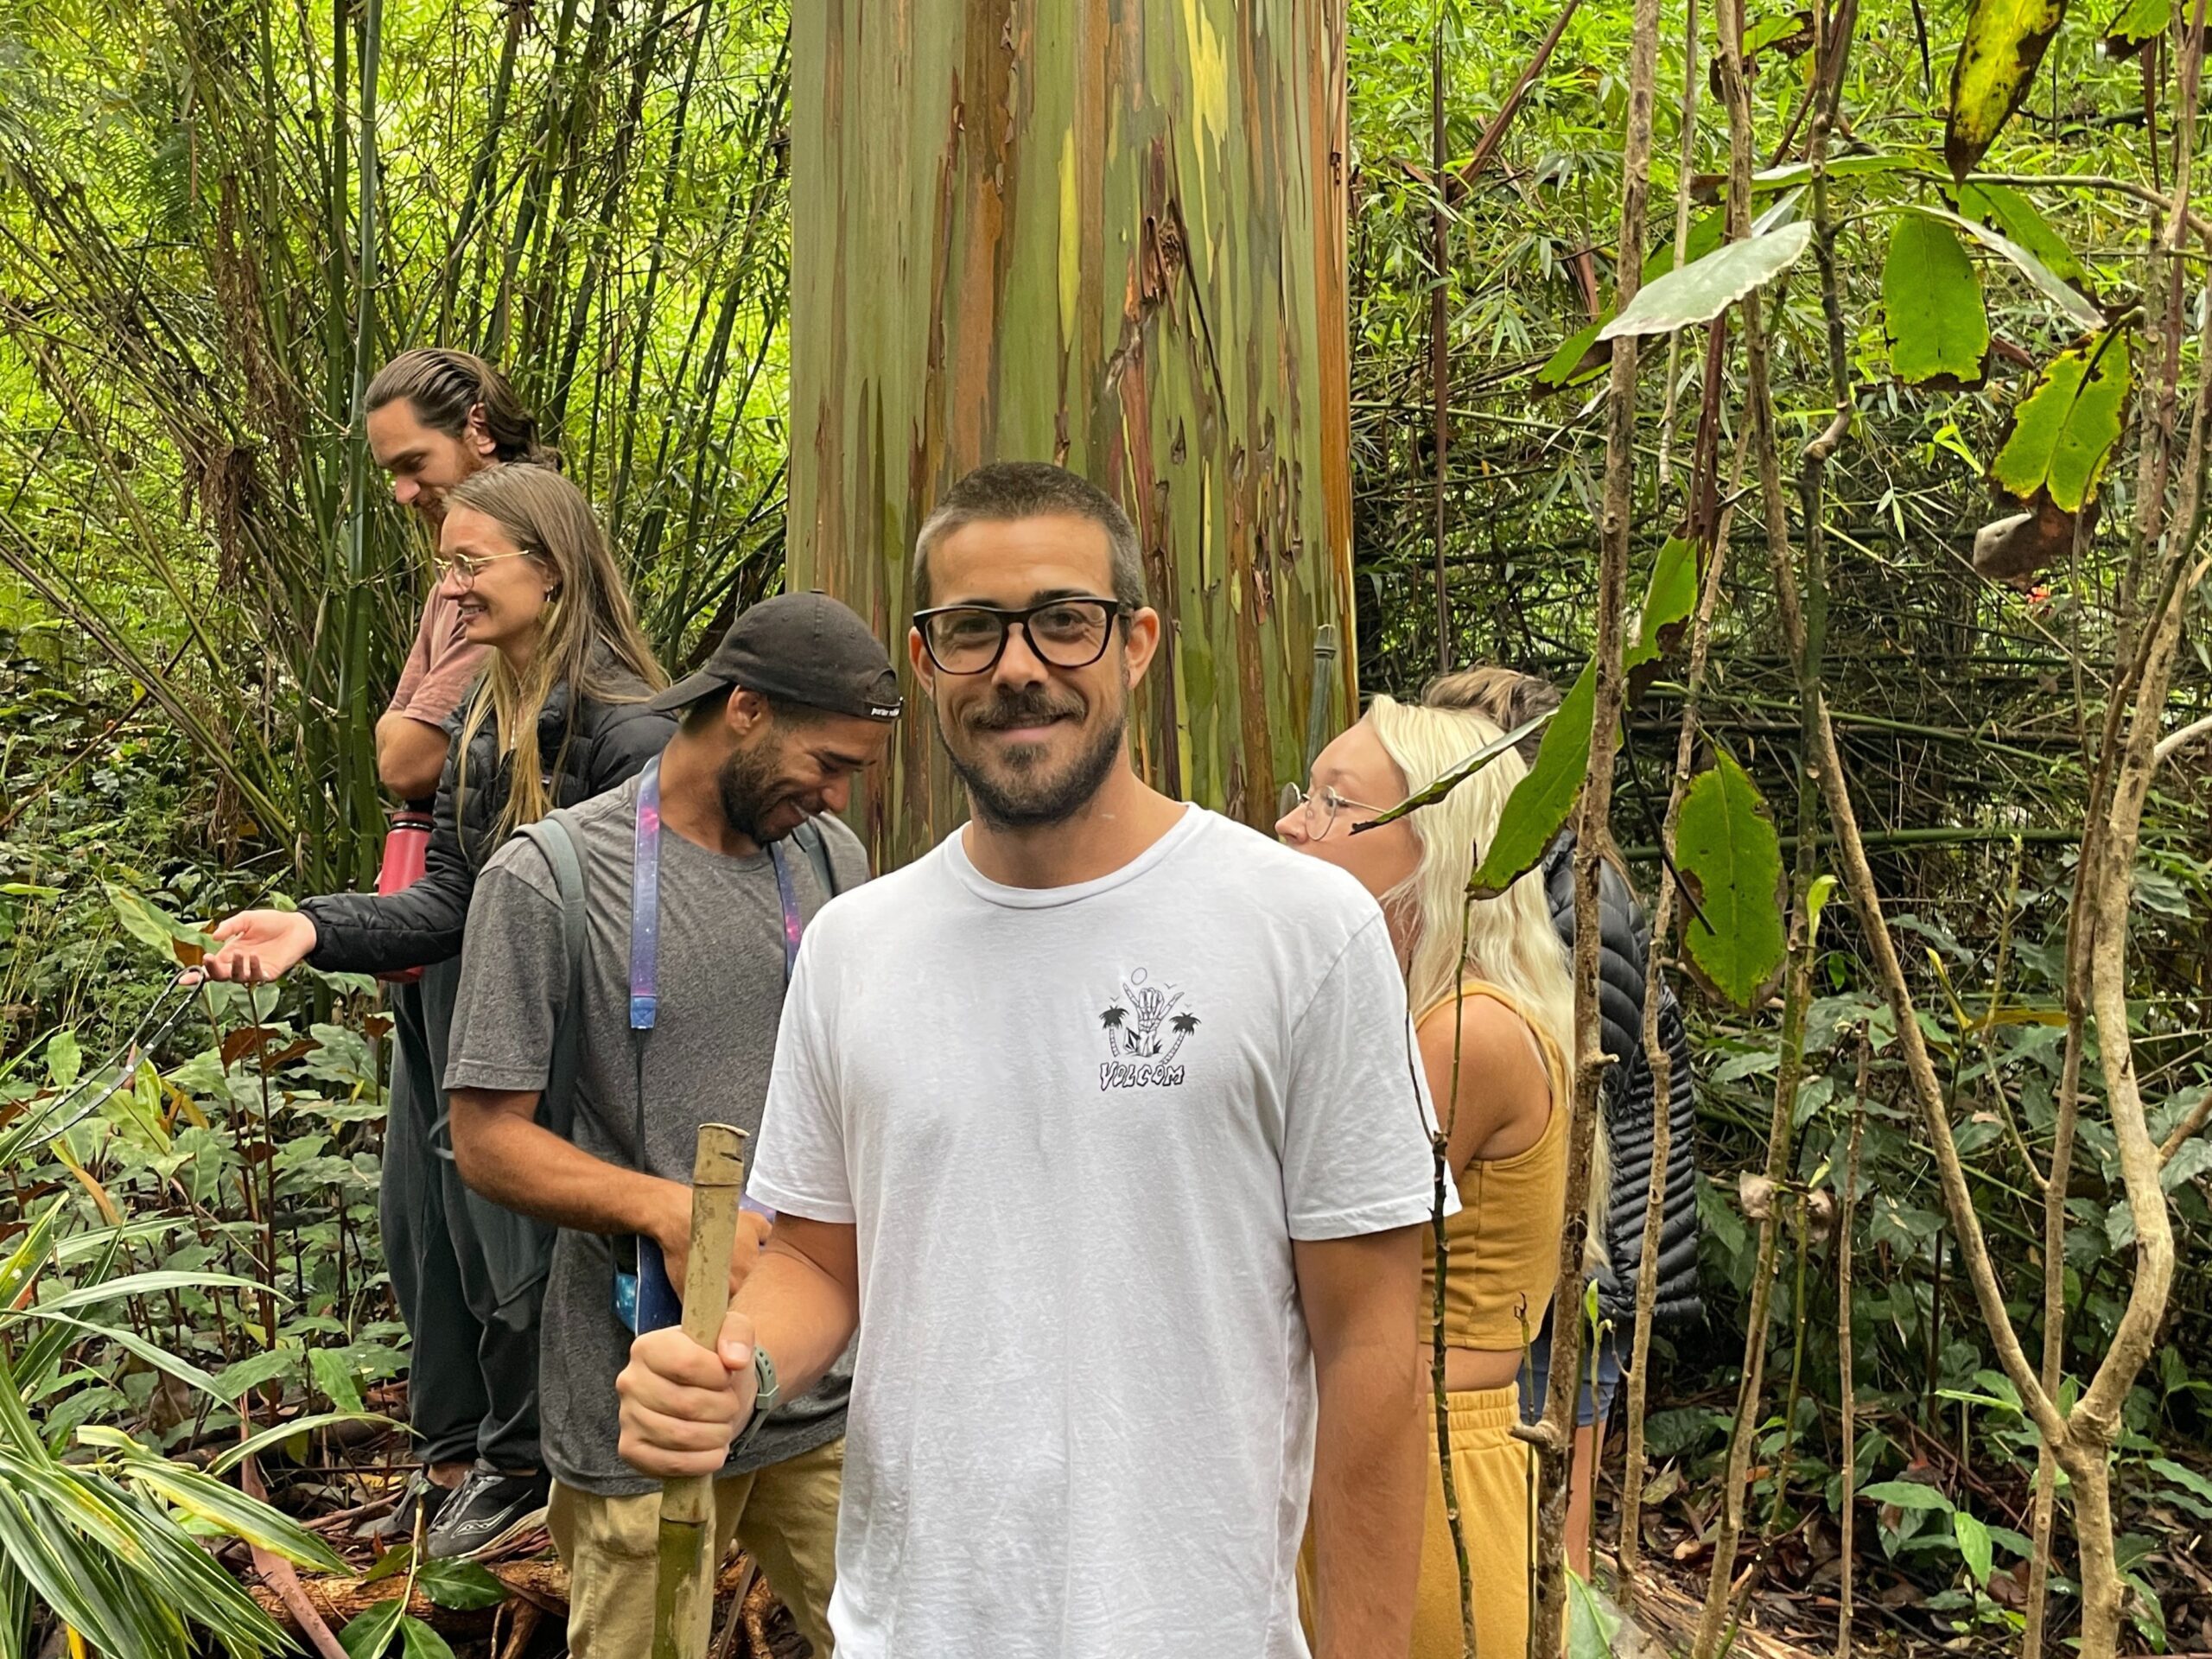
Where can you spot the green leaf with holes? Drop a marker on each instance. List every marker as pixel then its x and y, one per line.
pixel 2064 429
pixel 1996 67
pixel 1726 849
pixel 1931 308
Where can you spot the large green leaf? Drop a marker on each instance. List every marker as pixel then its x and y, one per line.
pixel 1581 357
pixel 2003 208
pixel 462 1585
pixel 291 1430
pixel 1669 599
pixel 1541 801
pixel 1973 1545
pixel 2136 25
pixel 1931 306
pixel 2070 301
pixel 143 1284
pixel 1725 844
pixel 2064 429
pixel 419 1641
pixel 1591 1624
pixel 1905 1494
pixel 368 1634
pixel 2005 41
pixel 1701 290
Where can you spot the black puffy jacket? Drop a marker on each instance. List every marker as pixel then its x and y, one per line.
pixel 373 933
pixel 1624 935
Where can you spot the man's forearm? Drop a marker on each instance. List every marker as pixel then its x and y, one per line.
pixel 801 1314
pixel 529 1169
pixel 1369 1484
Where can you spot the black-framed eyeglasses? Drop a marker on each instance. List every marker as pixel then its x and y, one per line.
pixel 1063 633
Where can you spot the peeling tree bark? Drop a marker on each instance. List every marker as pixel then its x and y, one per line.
pixel 1111 235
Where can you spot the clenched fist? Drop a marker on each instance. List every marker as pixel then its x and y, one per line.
pixel 682 1404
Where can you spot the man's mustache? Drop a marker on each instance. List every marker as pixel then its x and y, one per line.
pixel 1029 707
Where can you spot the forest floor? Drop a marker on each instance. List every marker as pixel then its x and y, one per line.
pixel 1789 1586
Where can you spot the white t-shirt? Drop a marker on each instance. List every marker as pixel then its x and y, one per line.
pixel 1078 1128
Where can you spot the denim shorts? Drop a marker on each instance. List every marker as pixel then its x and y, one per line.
pixel 1587 1411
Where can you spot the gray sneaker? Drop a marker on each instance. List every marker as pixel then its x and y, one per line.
pixel 421 1495
pixel 487 1512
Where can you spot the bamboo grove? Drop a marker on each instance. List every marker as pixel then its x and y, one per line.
pixel 1817 393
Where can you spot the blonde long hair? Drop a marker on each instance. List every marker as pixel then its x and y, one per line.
pixel 588 629
pixel 1508 940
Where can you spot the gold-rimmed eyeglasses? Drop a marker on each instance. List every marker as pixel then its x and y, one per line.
pixel 469 566
pixel 1321 807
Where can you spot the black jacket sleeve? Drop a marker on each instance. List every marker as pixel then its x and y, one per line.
pixel 379 933
pixel 631 736
pixel 1631 1105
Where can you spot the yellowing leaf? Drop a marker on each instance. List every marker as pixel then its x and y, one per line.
pixel 101 1201
pixel 1931 308
pixel 2005 42
pixel 2064 429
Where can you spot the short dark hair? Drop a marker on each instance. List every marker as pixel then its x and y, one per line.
pixel 1007 490
pixel 701 714
pixel 443 387
pixel 1508 698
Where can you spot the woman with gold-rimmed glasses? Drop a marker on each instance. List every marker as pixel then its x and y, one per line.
pixel 1494 1019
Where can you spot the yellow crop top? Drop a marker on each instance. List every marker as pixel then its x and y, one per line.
pixel 1502 1247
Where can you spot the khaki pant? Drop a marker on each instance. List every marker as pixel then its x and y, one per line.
pixel 1491 1475
pixel 785 1515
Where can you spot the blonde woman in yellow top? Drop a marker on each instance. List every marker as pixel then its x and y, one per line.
pixel 1493 1016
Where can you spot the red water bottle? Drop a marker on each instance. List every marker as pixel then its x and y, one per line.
pixel 406 854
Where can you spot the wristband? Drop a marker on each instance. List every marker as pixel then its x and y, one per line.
pixel 768 1395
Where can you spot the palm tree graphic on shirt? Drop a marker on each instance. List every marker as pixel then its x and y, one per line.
pixel 1184 1024
pixel 1133 1021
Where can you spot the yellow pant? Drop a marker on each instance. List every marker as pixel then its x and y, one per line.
pixel 785 1515
pixel 1490 1477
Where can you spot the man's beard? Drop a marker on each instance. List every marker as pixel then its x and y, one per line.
pixel 747 786
pixel 1021 796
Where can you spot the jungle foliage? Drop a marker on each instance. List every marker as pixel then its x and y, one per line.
pixel 1987 276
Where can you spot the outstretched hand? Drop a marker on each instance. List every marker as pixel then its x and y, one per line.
pixel 682 1404
pixel 260 945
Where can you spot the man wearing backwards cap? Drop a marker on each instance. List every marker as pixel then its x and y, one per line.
pixel 798 697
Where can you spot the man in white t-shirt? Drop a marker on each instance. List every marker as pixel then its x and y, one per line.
pixel 1099 1124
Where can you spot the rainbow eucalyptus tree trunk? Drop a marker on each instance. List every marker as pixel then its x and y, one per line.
pixel 1108 234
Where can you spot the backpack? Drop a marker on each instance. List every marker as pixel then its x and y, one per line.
pixel 518 1250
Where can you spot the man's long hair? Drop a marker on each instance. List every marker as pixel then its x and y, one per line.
pixel 445 387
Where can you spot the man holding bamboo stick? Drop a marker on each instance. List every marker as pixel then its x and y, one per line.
pixel 1097 1125
pixel 688 892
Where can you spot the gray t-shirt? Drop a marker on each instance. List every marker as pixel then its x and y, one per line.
pixel 707 1060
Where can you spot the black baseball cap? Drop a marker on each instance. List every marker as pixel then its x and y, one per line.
pixel 805 648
